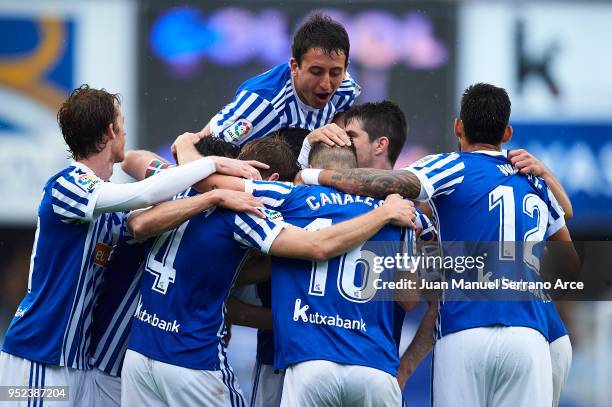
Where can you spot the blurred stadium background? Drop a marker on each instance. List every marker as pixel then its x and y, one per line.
pixel 176 65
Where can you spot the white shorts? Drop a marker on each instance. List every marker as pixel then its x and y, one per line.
pixel 101 389
pixel 148 382
pixel 492 366
pixel 320 383
pixel 267 386
pixel 17 371
pixel 561 360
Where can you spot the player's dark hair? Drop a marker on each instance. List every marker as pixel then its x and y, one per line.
pixel 295 138
pixel 274 151
pixel 485 112
pixel 380 119
pixel 320 31
pixel 84 117
pixel 218 147
pixel 326 157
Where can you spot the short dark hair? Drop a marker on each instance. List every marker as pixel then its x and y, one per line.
pixel 485 112
pixel 326 157
pixel 320 31
pixel 380 119
pixel 295 138
pixel 218 147
pixel 274 151
pixel 84 117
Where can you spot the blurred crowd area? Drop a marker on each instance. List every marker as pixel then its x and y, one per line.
pixel 177 64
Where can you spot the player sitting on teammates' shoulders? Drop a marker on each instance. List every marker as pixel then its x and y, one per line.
pixel 312 90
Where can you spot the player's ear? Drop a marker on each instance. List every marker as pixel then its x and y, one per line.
pixel 273 177
pixel 293 64
pixel 458 128
pixel 382 145
pixel 507 134
pixel 110 131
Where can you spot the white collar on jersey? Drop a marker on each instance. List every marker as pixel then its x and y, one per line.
pixel 82 166
pixel 503 153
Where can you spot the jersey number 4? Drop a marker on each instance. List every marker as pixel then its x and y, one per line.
pixel 163 270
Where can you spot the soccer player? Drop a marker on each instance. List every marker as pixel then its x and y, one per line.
pixel 378 130
pixel 374 128
pixel 79 222
pixel 176 353
pixel 120 286
pixel 311 91
pixel 352 354
pixel 497 205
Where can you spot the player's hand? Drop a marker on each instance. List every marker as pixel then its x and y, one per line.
pixel 185 139
pixel 401 211
pixel 237 201
pixel 239 168
pixel 526 163
pixel 330 134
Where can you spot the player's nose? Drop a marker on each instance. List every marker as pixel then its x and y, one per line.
pixel 325 83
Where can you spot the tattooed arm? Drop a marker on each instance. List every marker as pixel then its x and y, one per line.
pixel 374 183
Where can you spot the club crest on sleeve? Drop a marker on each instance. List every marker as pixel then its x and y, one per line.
pixel 272 214
pixel 87 182
pixel 240 129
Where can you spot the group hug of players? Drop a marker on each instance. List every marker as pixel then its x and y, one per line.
pixel 132 286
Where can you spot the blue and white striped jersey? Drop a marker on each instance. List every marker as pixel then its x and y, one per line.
pixel 269 102
pixel 71 249
pixel 483 205
pixel 187 276
pixel 330 310
pixel 116 303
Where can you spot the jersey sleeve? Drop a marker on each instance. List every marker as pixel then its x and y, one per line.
pixel 271 193
pixel 556 215
pixel 247 117
pixel 256 232
pixel 438 174
pixel 74 195
pixel 346 94
pixel 428 229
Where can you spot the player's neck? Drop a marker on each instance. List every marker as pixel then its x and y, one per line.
pixel 480 147
pixel 382 164
pixel 100 163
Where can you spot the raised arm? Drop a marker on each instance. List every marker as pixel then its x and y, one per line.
pixel 528 164
pixel 124 197
pixel 332 241
pixel 137 163
pixel 367 181
pixel 169 215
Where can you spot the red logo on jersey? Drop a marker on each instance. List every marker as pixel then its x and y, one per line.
pixel 101 254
